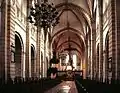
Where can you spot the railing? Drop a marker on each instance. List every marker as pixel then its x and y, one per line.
pixel 69 75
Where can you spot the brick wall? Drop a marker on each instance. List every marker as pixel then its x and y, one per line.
pixel 10 38
pixel 107 31
pixel 117 14
pixel 112 38
pixel 3 40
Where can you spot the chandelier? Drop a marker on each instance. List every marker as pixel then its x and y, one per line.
pixel 44 15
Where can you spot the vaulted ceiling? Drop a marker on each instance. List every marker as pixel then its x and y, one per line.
pixel 74 16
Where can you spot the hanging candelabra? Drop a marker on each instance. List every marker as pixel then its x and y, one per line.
pixel 44 15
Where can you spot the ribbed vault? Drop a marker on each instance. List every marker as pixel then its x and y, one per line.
pixel 74 16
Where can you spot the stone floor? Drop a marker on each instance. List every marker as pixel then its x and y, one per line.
pixel 64 87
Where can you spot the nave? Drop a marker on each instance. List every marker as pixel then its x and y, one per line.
pixel 44 38
pixel 64 87
pixel 57 85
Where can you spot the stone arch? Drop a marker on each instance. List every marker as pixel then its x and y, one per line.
pixel 18 55
pixel 64 30
pixel 78 9
pixel 21 40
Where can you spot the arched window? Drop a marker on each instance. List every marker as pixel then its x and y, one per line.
pixel 107 61
pixel 32 61
pixel 18 56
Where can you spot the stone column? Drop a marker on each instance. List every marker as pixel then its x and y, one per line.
pixel 45 36
pixel 27 56
pixel 117 12
pixel 100 6
pixel 92 55
pixel 93 45
pixel 6 36
pixel 113 40
pixel 3 39
pixel 38 51
pixel 86 61
pixel 50 46
pixel 89 56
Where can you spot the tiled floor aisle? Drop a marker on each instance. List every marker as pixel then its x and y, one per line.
pixel 64 87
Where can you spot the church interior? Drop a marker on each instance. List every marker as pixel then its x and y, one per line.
pixel 59 46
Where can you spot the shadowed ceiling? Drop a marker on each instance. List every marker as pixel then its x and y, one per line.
pixel 74 16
